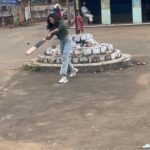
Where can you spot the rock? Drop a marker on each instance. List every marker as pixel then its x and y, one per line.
pixel 58 60
pixel 75 60
pixel 113 56
pixel 118 53
pixel 110 47
pixel 78 52
pixel 103 48
pixel 87 51
pixel 102 58
pixel 49 59
pixel 96 50
pixel 107 57
pixel 40 58
pixel 146 146
pixel 84 60
pixel 95 58
pixel 45 60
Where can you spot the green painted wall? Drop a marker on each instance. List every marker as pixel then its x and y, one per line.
pixel 136 11
pixel 77 4
pixel 105 11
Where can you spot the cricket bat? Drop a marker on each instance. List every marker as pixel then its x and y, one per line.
pixel 36 46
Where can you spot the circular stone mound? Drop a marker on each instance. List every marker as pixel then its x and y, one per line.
pixel 123 62
pixel 87 55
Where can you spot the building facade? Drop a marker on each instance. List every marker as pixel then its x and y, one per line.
pixel 118 11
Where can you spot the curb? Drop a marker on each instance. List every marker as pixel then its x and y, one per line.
pixel 121 63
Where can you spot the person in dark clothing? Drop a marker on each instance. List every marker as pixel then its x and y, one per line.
pixel 57 10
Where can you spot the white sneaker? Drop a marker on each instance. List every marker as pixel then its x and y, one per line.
pixel 63 80
pixel 74 72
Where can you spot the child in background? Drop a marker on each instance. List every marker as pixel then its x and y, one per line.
pixel 79 22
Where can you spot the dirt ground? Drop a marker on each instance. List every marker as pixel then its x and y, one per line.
pixel 103 111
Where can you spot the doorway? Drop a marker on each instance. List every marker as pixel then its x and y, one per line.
pixel 145 10
pixel 121 11
pixel 94 7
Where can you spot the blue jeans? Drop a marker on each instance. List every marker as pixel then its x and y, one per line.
pixel 66 49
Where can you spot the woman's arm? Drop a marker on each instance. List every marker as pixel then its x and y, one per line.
pixel 51 33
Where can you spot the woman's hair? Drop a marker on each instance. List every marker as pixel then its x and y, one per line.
pixel 56 18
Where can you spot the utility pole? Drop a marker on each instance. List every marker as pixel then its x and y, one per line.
pixel 3 19
pixel 75 12
pixel 30 3
pixel 21 11
pixel 68 10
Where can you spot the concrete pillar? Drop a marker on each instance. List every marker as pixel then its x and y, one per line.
pixel 105 11
pixel 137 11
pixel 77 4
pixel 20 13
pixel 14 10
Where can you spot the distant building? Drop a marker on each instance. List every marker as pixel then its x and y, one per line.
pixel 7 11
pixel 40 2
pixel 5 15
pixel 118 11
pixel 41 8
pixel 12 11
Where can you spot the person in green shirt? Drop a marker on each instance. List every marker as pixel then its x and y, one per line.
pixel 56 26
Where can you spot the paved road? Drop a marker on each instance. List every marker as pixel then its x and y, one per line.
pixel 108 111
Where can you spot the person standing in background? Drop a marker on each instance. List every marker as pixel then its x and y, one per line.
pixel 79 22
pixel 57 9
pixel 86 13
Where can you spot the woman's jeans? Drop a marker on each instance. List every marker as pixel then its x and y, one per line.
pixel 66 49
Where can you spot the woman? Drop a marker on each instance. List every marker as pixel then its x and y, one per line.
pixel 57 27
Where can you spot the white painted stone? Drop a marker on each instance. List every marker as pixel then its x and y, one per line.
pixel 104 48
pixel 107 57
pixel 83 60
pixel 102 58
pixel 113 56
pixel 95 58
pixel 58 60
pixel 40 58
pixel 87 51
pixel 110 47
pixel 75 60
pixel 45 60
pixel 96 50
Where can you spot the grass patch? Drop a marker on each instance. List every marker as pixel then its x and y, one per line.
pixel 33 68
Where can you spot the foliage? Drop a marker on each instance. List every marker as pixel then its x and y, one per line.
pixel 34 68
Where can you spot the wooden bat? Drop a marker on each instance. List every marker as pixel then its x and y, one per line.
pixel 37 45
